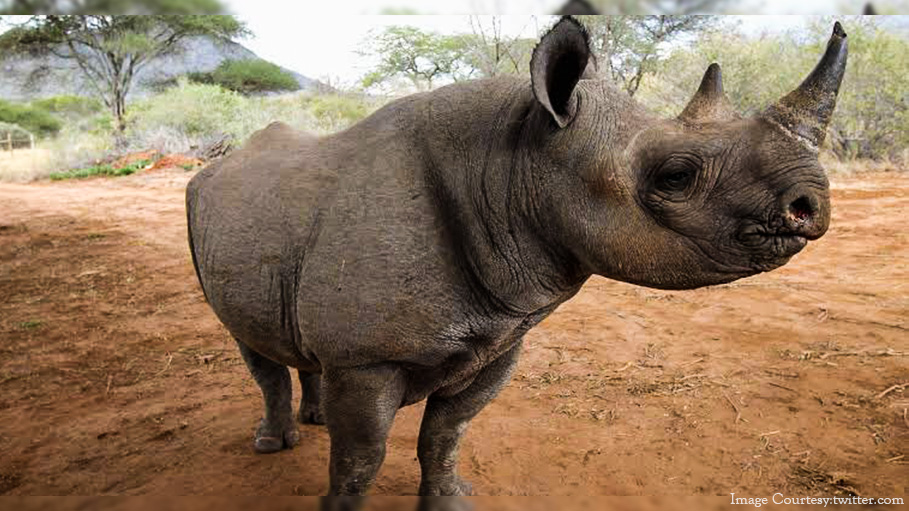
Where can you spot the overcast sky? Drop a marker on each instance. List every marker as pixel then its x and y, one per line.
pixel 329 47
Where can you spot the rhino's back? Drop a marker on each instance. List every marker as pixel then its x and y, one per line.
pixel 250 217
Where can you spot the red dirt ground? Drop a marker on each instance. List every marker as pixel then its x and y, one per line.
pixel 116 378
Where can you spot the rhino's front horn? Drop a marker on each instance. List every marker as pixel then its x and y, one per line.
pixel 709 103
pixel 805 112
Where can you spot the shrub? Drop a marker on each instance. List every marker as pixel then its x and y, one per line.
pixel 100 170
pixel 35 120
pixel 191 116
pixel 70 106
pixel 336 108
pixel 249 76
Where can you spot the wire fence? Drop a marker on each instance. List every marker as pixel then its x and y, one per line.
pixel 12 142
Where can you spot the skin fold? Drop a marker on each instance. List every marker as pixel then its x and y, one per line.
pixel 405 258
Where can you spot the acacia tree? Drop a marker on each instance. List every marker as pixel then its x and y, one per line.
pixel 628 47
pixel 417 55
pixel 111 50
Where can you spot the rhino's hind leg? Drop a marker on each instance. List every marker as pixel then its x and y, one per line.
pixel 360 405
pixel 310 411
pixel 444 423
pixel 277 430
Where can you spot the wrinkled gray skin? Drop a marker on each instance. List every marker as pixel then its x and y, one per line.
pixel 406 257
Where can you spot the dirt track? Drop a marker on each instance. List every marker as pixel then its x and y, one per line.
pixel 116 378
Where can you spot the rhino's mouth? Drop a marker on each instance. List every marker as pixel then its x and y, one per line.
pixel 780 243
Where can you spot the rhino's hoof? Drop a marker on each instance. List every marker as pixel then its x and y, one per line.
pixel 444 504
pixel 456 487
pixel 265 444
pixel 310 415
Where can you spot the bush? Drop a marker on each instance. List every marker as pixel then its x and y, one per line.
pixel 35 120
pixel 70 106
pixel 100 170
pixel 336 108
pixel 249 76
pixel 190 116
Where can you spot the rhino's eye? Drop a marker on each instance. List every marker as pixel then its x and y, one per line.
pixel 675 177
pixel 676 181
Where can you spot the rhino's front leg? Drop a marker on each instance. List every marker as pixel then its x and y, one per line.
pixel 444 423
pixel 360 406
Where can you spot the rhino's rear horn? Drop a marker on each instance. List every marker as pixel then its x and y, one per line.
pixel 805 112
pixel 709 103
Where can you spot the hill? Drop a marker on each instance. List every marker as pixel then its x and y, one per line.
pixel 24 77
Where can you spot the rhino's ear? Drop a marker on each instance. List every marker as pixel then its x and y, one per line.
pixel 557 64
pixel 709 102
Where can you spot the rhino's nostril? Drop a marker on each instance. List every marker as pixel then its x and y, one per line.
pixel 801 209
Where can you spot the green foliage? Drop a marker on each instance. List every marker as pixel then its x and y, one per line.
pixel 872 114
pixel 191 108
pixel 30 324
pixel 419 56
pixel 70 106
pixel 249 76
pixel 100 170
pixel 336 108
pixel 33 119
pixel 110 50
pixel 628 48
pixel 193 115
pixel 872 111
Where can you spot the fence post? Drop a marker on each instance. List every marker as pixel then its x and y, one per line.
pixel 9 142
pixel 31 141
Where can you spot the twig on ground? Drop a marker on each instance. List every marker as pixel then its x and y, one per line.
pixel 170 358
pixel 626 366
pixel 891 388
pixel 738 414
pixel 782 387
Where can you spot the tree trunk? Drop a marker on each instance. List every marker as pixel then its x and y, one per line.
pixel 119 112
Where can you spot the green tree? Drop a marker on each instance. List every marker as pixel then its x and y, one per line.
pixel 110 50
pixel 628 48
pixel 419 56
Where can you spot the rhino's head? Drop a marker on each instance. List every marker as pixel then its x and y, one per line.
pixel 706 198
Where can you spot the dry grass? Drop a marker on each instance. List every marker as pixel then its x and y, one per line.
pixel 837 167
pixel 23 164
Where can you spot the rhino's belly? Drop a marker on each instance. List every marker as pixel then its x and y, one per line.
pixel 457 371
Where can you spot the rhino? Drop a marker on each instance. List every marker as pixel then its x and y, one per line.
pixel 404 258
